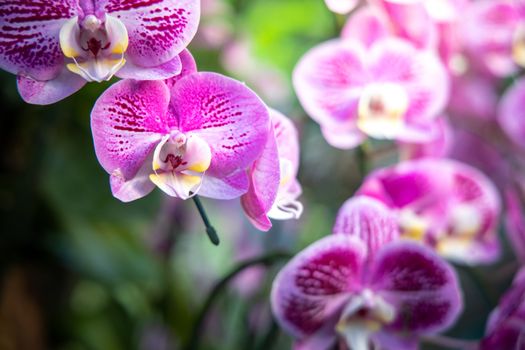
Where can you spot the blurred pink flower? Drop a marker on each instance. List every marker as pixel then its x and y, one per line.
pixel 388 91
pixel 444 204
pixel 511 114
pixel 363 286
pixel 341 6
pixel 55 46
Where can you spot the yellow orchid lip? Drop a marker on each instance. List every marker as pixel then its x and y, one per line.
pixel 96 48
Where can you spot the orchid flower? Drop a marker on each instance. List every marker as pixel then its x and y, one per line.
pixel 506 323
pixel 274 187
pixel 515 223
pixel 511 112
pixel 444 204
pixel 361 286
pixel 388 91
pixel 494 35
pixel 56 46
pixel 195 134
pixel 437 147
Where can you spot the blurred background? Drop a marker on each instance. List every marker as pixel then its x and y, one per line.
pixel 81 270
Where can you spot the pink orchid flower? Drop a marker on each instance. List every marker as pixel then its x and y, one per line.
pixel 494 35
pixel 389 91
pixel 511 113
pixel 196 134
pixel 361 286
pixel 341 6
pixel 274 188
pixel 515 223
pixel 444 204
pixel 506 323
pixel 56 46
pixel 437 147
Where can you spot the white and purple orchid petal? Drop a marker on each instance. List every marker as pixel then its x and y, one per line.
pixel 341 6
pixel 512 113
pixel 158 29
pixel 286 205
pixel 311 290
pixel 29 32
pixel 419 73
pixel 225 187
pixel 128 121
pixel 366 25
pixel 49 91
pixel 421 286
pixel 226 114
pixel 368 219
pixel 410 20
pixel 515 224
pixel 287 138
pixel 328 81
pixel 138 186
pixel 265 177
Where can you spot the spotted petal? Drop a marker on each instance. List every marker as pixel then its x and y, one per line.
pixel 368 219
pixel 158 29
pixel 422 287
pixel 225 113
pixel 127 122
pixel 29 30
pixel 311 289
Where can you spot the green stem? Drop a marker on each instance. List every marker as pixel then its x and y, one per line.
pixel 361 154
pixel 266 260
pixel 210 230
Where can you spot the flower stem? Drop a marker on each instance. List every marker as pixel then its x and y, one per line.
pixel 193 343
pixel 210 230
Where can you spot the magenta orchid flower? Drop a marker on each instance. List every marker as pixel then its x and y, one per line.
pixel 361 286
pixel 512 112
pixel 196 134
pixel 494 35
pixel 274 188
pixel 506 323
pixel 388 91
pixel 444 204
pixel 515 223
pixel 437 147
pixel 56 46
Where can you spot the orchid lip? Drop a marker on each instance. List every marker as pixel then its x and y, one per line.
pixel 179 164
pixel 381 110
pixel 96 47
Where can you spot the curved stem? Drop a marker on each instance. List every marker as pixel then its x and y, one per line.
pixel 195 337
pixel 210 230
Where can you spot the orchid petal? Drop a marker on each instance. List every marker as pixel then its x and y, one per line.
pixel 177 184
pixel 366 25
pixel 137 187
pixel 328 81
pixel 264 185
pixel 515 224
pixel 423 288
pixel 341 6
pixel 127 123
pixel 420 73
pixel 29 31
pixel 49 91
pixel 313 287
pixel 368 219
pixel 225 187
pixel 158 30
pixel 229 116
pixel 162 71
